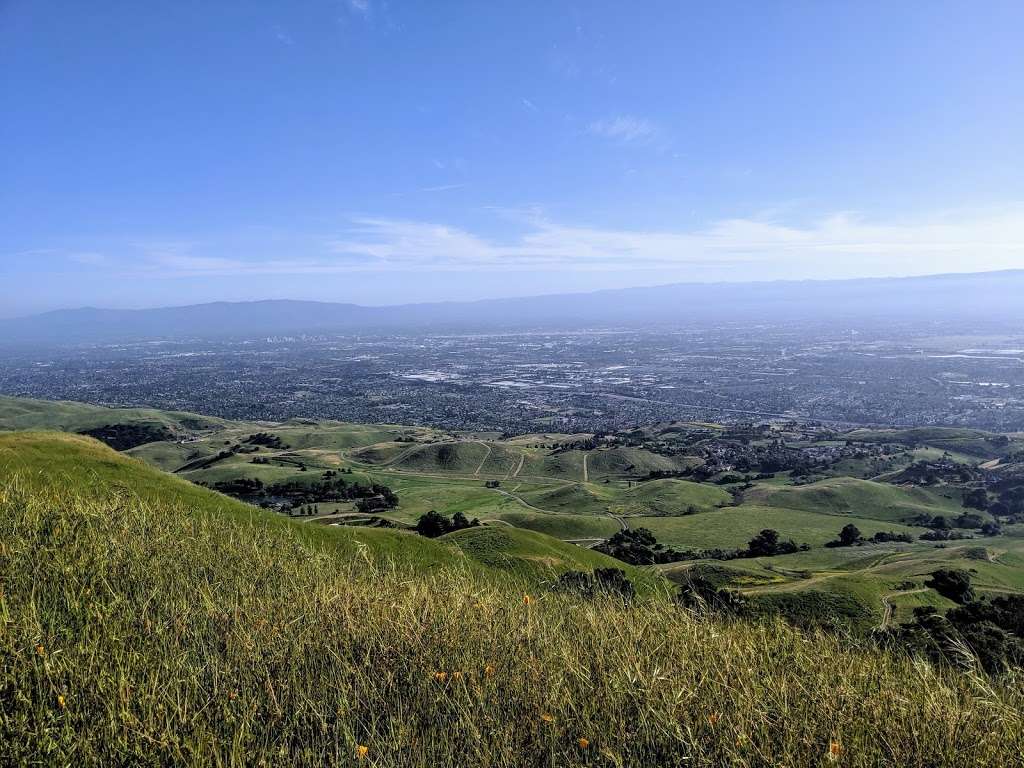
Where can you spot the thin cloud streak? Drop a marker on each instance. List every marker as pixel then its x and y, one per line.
pixel 839 245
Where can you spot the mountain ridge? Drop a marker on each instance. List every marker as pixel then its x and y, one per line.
pixel 971 296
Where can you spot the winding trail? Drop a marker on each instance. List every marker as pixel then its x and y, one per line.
pixel 484 459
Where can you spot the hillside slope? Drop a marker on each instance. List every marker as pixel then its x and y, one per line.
pixel 149 622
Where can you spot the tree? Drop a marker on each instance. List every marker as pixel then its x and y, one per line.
pixel 767 543
pixel 952 583
pixel 976 499
pixel 432 525
pixel 764 544
pixel 849 536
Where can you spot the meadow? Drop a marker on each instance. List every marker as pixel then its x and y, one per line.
pixel 150 622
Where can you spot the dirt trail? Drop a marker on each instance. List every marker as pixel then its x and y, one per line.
pixel 586 475
pixel 510 474
pixel 484 459
pixel 888 608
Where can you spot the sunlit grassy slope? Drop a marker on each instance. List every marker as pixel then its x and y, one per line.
pixel 147 622
pixel 23 414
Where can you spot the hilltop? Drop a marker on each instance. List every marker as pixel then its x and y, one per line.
pixel 151 621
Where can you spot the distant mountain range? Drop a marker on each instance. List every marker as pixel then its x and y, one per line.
pixel 971 298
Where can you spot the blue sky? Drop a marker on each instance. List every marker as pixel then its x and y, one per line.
pixel 359 150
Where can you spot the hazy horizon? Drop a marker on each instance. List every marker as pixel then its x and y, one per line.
pixel 388 153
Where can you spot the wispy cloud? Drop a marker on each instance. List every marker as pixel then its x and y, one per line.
pixel 832 246
pixel 623 128
pixel 360 6
pixel 442 187
pixel 842 244
pixel 528 104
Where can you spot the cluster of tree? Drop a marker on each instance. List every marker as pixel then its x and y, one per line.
pixel 851 536
pixel 266 440
pixel 638 546
pixel 768 544
pixel 374 497
pixel 966 520
pixel 976 498
pixel 603 582
pixel 309 510
pixel 434 524
pixel 124 437
pixel 931 472
pixel 989 631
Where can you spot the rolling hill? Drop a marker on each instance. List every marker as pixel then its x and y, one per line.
pixel 148 621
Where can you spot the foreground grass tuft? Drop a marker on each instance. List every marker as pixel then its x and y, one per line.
pixel 144 631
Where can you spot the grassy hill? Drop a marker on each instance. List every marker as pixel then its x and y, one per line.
pixel 149 622
pixel 864 499
pixel 577 495
pixel 23 414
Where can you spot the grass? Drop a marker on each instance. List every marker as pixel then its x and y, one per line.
pixel 147 627
pixel 23 414
pixel 733 527
pixel 863 499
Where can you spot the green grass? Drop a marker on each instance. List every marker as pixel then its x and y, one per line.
pixel 733 527
pixel 19 414
pixel 862 499
pixel 534 556
pixel 149 622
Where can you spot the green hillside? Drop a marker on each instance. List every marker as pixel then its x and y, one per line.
pixel 864 499
pixel 146 621
pixel 22 414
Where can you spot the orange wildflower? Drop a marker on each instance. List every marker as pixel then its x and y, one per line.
pixel 714 717
pixel 834 750
pixel 489 671
pixel 456 675
pixel 440 676
pixel 40 650
pixel 584 743
pixel 547 718
pixel 527 600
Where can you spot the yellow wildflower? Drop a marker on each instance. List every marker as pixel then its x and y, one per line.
pixel 361 752
pixel 40 650
pixel 440 676
pixel 547 718
pixel 527 600
pixel 489 671
pixel 61 702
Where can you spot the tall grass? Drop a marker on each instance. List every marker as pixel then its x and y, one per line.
pixel 136 632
